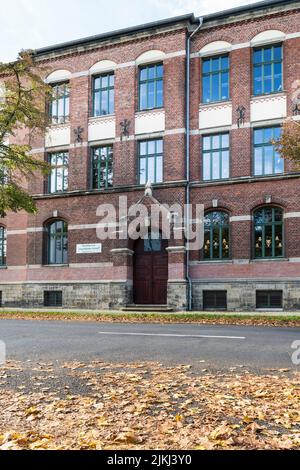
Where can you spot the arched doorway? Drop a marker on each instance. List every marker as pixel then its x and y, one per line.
pixel 150 271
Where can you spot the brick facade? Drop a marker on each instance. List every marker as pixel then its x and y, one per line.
pixel 105 280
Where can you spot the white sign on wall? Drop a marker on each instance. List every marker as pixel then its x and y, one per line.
pixel 89 248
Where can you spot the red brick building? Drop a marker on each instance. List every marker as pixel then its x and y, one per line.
pixel 192 105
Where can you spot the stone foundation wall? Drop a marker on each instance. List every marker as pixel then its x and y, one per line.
pixel 241 295
pixel 111 295
pixel 177 295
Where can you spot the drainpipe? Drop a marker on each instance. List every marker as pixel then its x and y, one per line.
pixel 187 92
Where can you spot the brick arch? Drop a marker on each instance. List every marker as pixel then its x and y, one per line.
pixel 52 219
pixel 261 204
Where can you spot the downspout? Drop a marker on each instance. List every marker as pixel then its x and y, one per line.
pixel 187 92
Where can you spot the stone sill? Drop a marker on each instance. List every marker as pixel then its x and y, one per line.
pixel 150 110
pixel 55 266
pixel 268 95
pixel 269 260
pixel 214 103
pixel 102 117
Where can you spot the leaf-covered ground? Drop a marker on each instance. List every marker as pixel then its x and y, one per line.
pixel 262 319
pixel 146 406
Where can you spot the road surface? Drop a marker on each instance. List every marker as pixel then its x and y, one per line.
pixel 219 346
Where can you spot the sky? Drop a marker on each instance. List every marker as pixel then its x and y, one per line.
pixel 30 24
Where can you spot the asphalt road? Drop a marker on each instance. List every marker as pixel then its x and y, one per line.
pixel 219 346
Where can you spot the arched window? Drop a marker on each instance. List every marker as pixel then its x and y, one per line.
pixel 268 232
pixel 3 242
pixel 216 236
pixel 57 242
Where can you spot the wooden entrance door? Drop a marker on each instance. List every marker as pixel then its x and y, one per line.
pixel 150 278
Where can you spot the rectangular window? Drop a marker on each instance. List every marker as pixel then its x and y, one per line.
pixel 268 299
pixel 150 161
pixel 104 95
pixel 52 298
pixel 214 300
pixel 215 79
pixel 3 245
pixel 266 160
pixel 215 157
pixel 151 84
pixel 58 178
pixel 267 69
pixel 59 108
pixel 102 167
pixel 1 303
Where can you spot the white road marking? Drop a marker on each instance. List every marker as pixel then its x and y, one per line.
pixel 109 333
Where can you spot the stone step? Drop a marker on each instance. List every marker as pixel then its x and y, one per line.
pixel 148 308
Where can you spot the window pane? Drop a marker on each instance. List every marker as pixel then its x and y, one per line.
pixel 67 107
pixel 225 86
pixel 111 101
pixel 142 171
pixel 104 102
pixel 225 140
pixel 267 54
pixel 279 164
pixel 258 80
pixel 216 165
pixel 112 80
pixel 159 94
pixel 216 142
pixel 159 146
pixel 151 95
pixel 151 147
pixel 277 133
pixel 159 170
pixel 206 167
pixel 268 159
pixel 278 240
pixel 258 136
pixel 215 64
pixel 216 242
pixel 151 169
pixel 268 240
pixel 268 135
pixel 258 161
pixel 97 104
pixel 59 180
pixel 225 62
pixel 206 143
pixel 206 66
pixel 225 242
pixel 258 241
pixel 143 74
pixel 278 77
pixel 257 56
pixel 143 148
pixel 160 71
pixel 97 83
pixel 206 98
pixel 151 72
pixel 143 96
pixel 215 87
pixel 268 79
pixel 225 165
pixel 104 81
pixel 278 53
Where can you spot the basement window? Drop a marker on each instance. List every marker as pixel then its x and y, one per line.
pixel 1 304
pixel 269 299
pixel 52 298
pixel 215 300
